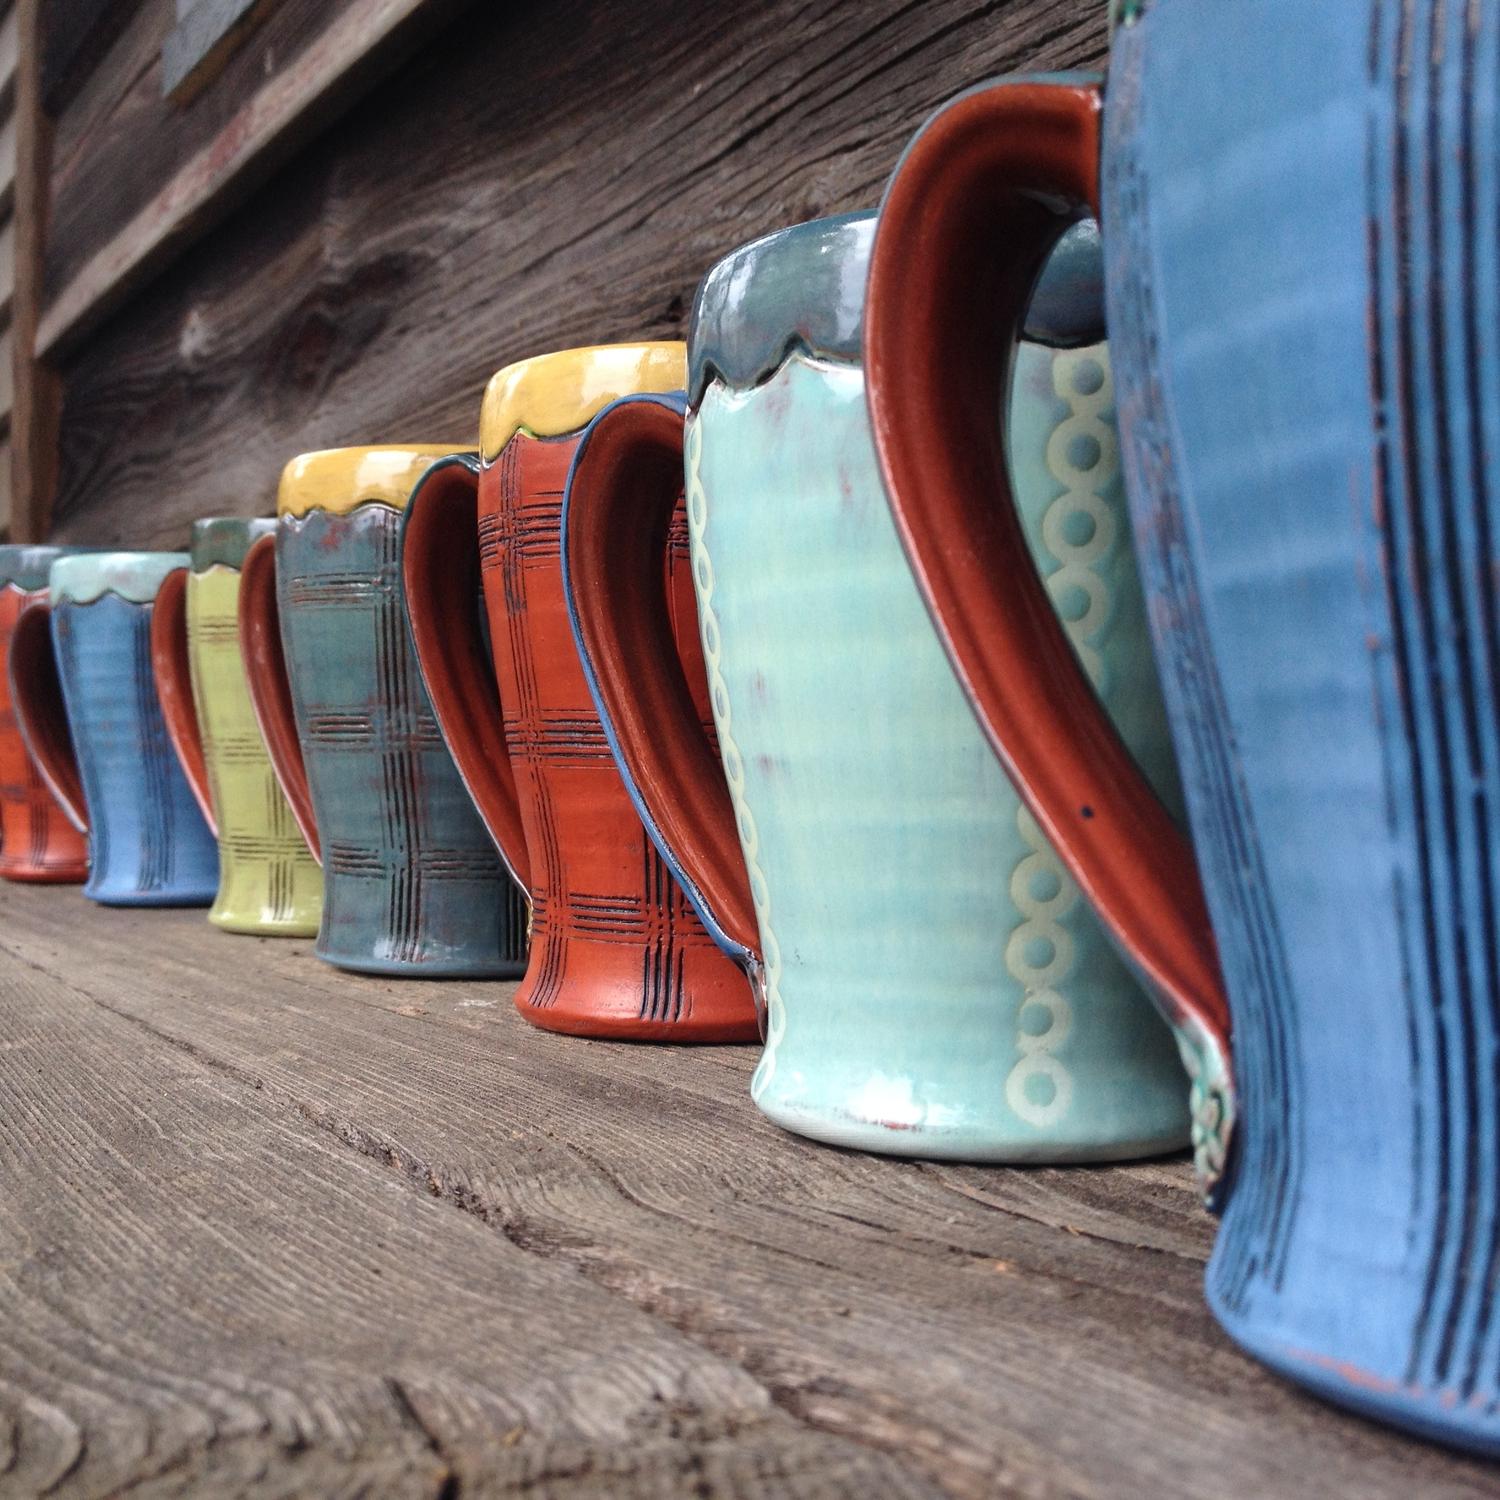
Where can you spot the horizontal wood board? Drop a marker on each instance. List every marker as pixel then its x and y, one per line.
pixel 537 177
pixel 142 177
pixel 273 1230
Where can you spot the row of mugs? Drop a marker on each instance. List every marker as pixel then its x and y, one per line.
pixel 712 730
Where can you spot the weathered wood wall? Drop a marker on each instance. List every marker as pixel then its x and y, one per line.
pixel 536 176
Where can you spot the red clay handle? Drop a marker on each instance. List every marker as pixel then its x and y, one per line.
pixel 270 692
pixel 624 485
pixel 444 595
pixel 968 220
pixel 41 711
pixel 172 669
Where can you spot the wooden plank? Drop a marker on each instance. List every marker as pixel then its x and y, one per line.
pixel 7 377
pixel 82 129
pixel 9 55
pixel 7 266
pixel 5 482
pixel 9 128
pixel 206 34
pixel 299 97
pixel 978 1331
pixel 204 1291
pixel 74 35
pixel 37 400
pixel 582 166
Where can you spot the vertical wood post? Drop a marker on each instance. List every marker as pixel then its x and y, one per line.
pixel 38 389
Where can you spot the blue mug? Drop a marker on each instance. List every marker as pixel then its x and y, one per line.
pixel 933 984
pixel 1303 295
pixel 85 697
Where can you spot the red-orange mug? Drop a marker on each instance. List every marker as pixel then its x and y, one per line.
pixel 38 842
pixel 616 949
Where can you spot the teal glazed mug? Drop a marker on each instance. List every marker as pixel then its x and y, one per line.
pixel 412 885
pixel 933 982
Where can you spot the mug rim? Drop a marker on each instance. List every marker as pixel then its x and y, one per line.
pixel 83 578
pixel 553 394
pixel 223 541
pixel 25 565
pixel 801 290
pixel 339 480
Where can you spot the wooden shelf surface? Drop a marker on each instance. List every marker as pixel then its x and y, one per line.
pixel 268 1229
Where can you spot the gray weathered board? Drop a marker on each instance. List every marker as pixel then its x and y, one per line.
pixel 538 176
pixel 270 1230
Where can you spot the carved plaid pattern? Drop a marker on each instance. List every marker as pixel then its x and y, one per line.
pixel 36 839
pixel 411 875
pixel 266 873
pixel 596 877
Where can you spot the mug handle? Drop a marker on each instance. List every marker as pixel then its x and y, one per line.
pixel 440 577
pixel 41 711
pixel 171 666
pixel 270 693
pixel 622 489
pixel 976 204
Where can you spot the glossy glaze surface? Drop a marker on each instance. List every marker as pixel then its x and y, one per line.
pixel 269 883
pixel 940 988
pixel 616 948
pixel 552 395
pixel 337 480
pixel 1309 396
pixel 148 842
pixel 82 576
pixel 933 984
pixel 37 842
pixel 412 884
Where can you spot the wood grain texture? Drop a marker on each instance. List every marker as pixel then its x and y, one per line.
pixel 277 1226
pixel 540 176
pixel 36 403
pixel 9 57
pixel 159 171
pixel 206 1290
pixel 74 35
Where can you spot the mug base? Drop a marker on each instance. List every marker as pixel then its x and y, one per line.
pixel 33 875
pixel 263 927
pixel 382 968
pixel 575 1016
pixel 1436 1416
pixel 168 898
pixel 971 1144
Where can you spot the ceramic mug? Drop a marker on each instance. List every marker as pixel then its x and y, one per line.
pixel 935 985
pixel 1304 309
pixel 411 883
pixel 269 884
pixel 616 950
pixel 37 841
pixel 80 680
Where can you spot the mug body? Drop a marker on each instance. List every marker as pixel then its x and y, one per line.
pixel 269 883
pixel 935 983
pixel 148 843
pixel 616 948
pixel 37 842
pixel 412 884
pixel 1304 298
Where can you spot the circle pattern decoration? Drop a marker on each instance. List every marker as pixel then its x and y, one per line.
pixel 1079 529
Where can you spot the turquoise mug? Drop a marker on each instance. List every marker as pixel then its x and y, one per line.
pixel 933 983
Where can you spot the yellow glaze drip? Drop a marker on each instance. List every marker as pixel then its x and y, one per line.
pixel 553 394
pixel 339 479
